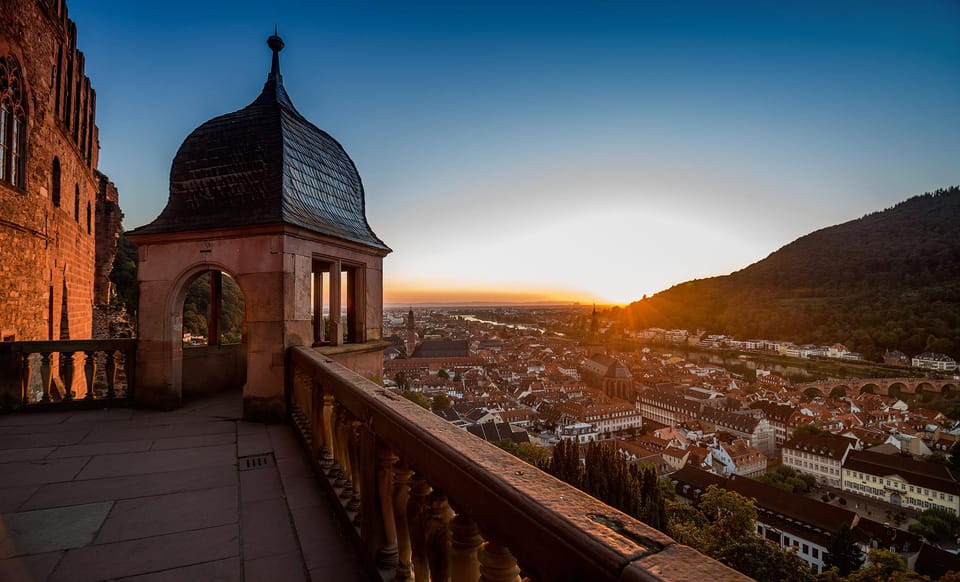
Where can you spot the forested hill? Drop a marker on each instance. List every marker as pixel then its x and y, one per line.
pixel 888 280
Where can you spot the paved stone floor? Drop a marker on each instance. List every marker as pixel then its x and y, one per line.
pixel 136 495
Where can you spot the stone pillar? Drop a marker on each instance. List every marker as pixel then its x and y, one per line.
pixel 336 327
pixel 216 305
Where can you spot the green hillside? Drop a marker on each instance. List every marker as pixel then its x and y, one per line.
pixel 888 280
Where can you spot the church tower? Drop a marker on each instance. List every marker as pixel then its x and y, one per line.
pixel 411 343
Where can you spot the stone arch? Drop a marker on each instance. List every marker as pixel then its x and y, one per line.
pixel 839 391
pixel 869 388
pixel 813 392
pixel 948 390
pixel 897 389
pixel 173 315
pixel 924 391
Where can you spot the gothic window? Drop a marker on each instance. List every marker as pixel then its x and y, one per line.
pixel 76 202
pixel 88 218
pixel 55 186
pixel 13 123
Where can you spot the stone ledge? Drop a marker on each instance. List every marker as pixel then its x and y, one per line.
pixel 370 346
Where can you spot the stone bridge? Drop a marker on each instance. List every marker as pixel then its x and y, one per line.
pixel 924 388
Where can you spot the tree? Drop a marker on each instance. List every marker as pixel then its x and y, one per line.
pixel 443 374
pixel 844 554
pixel 124 275
pixel 936 524
pixel 789 479
pixel 723 526
pixel 885 565
pixel 955 454
pixel 686 524
pixel 565 464
pixel 534 454
pixel 731 515
pixel 508 446
pixel 440 402
pixel 809 429
pixel 416 398
pixel 761 560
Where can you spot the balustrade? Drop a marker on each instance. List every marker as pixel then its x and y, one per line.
pixel 430 502
pixel 49 372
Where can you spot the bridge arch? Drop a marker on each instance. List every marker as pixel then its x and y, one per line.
pixel 813 392
pixel 897 389
pixel 839 391
pixel 870 388
pixel 948 390
pixel 925 391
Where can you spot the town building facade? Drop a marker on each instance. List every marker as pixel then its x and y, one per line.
pixel 819 455
pixel 901 481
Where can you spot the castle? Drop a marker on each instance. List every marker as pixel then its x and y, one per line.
pixel 59 216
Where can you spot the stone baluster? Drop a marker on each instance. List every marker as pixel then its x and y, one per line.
pixel 26 373
pixel 316 419
pixel 401 495
pixel 45 378
pixel 66 374
pixel 111 372
pixel 339 462
pixel 417 513
pixel 387 555
pixel 89 371
pixel 353 450
pixel 464 543
pixel 129 369
pixel 437 533
pixel 497 564
pixel 343 453
pixel 327 460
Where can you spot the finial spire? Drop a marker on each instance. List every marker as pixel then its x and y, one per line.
pixel 276 45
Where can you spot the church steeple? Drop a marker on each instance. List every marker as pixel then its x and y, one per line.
pixel 411 343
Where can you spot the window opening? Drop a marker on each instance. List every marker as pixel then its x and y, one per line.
pixel 13 122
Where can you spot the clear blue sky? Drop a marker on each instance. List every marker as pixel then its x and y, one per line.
pixel 590 150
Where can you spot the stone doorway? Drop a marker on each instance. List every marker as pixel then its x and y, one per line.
pixel 213 331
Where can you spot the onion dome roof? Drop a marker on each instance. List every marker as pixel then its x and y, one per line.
pixel 265 164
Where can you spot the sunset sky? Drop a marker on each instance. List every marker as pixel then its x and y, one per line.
pixel 591 151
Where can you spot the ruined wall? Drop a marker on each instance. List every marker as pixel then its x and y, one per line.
pixel 108 228
pixel 47 250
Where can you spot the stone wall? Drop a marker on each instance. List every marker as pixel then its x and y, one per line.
pixel 109 217
pixel 47 250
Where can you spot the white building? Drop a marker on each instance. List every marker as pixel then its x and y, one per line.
pixel 934 361
pixel 580 432
pixel 819 455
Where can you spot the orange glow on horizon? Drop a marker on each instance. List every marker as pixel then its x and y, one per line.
pixel 428 292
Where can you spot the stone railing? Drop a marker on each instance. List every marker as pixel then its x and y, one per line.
pixel 45 372
pixel 430 501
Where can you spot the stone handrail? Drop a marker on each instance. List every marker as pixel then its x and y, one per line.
pixel 41 372
pixel 432 502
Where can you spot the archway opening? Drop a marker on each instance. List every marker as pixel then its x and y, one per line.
pixel 812 393
pixel 925 392
pixel 839 391
pixel 949 391
pixel 869 389
pixel 213 336
pixel 897 389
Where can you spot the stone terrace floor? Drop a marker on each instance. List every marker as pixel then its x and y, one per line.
pixel 125 494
